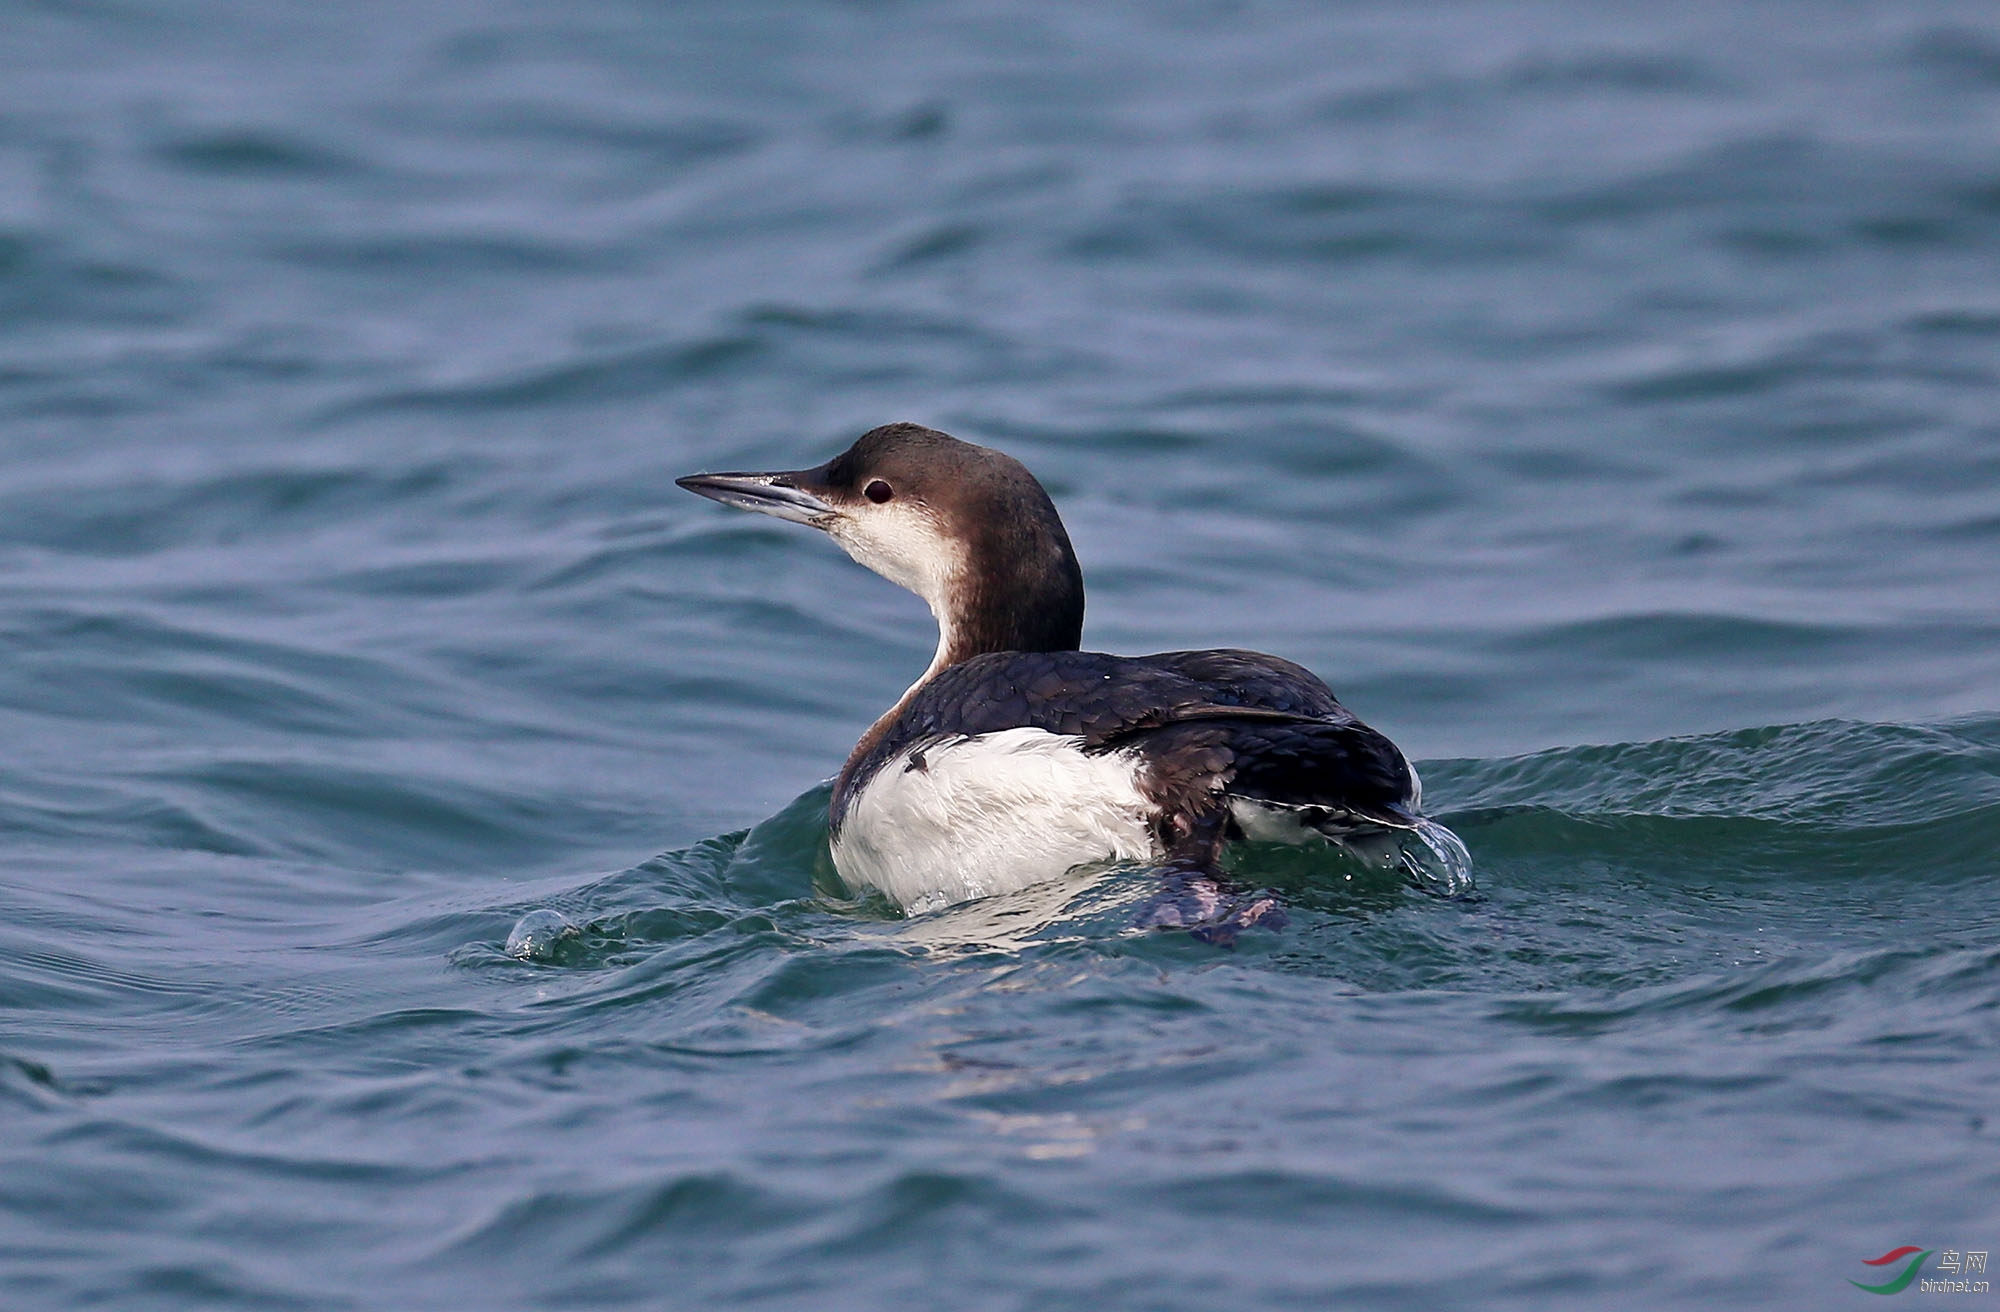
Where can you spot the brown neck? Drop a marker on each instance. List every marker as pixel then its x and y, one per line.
pixel 1021 590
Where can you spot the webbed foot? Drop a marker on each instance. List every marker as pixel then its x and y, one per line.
pixel 1207 909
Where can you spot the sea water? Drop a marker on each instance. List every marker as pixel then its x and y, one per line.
pixel 1604 399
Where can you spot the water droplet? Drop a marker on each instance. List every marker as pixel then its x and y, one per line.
pixel 537 934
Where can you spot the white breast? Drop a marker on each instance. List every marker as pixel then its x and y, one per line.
pixel 990 814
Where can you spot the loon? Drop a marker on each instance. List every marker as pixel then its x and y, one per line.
pixel 1016 756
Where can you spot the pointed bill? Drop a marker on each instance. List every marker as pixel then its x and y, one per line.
pixel 768 494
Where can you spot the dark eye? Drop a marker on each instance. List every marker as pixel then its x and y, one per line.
pixel 878 492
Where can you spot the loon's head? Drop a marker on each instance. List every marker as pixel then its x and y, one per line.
pixel 966 528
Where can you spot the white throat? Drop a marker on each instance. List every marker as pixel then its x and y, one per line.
pixel 902 542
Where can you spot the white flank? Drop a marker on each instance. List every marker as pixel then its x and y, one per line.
pixel 991 814
pixel 1284 822
pixel 1272 822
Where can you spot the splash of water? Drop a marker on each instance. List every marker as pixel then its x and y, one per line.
pixel 1435 860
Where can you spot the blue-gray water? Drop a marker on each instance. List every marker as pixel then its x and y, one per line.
pixel 1547 377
